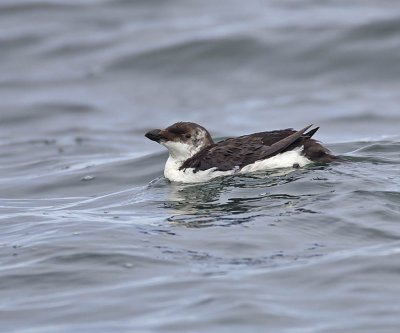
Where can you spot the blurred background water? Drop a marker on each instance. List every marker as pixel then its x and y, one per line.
pixel 93 239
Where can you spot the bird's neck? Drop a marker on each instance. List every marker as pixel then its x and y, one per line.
pixel 174 162
pixel 172 169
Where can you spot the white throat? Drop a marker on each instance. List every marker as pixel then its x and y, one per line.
pixel 179 151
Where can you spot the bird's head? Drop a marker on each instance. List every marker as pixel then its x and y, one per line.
pixel 183 139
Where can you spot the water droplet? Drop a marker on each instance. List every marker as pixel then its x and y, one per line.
pixel 128 265
pixel 88 177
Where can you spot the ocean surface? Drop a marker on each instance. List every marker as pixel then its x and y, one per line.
pixel 94 239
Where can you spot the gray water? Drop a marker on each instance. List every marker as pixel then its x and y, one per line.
pixel 94 239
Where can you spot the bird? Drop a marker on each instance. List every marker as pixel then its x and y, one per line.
pixel 194 157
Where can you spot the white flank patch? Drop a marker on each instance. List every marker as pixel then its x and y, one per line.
pixel 284 160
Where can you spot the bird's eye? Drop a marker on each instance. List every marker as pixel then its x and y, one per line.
pixel 188 136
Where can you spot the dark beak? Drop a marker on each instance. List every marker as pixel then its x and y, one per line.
pixel 154 135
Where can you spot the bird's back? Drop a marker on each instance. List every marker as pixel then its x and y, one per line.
pixel 245 150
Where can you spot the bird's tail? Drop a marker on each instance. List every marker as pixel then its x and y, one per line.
pixel 311 133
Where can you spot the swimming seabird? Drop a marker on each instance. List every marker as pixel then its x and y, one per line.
pixel 194 157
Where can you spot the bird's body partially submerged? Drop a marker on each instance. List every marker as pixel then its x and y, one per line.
pixel 194 157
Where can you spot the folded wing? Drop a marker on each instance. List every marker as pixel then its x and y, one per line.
pixel 244 150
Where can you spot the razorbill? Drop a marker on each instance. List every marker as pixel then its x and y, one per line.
pixel 194 157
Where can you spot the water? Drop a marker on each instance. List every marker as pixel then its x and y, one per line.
pixel 93 239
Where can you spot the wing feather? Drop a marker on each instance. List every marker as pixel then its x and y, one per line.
pixel 244 150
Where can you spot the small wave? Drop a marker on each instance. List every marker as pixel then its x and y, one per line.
pixel 193 55
pixel 11 6
pixel 375 30
pixel 10 43
pixel 45 111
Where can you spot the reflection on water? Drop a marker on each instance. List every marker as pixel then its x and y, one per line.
pixel 234 199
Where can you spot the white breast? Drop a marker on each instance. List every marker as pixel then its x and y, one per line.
pixel 284 160
pixel 188 175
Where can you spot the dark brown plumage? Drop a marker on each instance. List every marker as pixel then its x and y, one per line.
pixel 244 150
